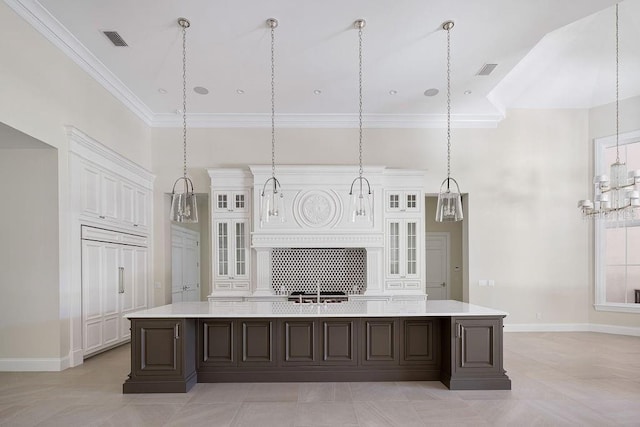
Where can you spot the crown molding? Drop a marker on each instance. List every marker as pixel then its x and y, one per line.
pixel 53 30
pixel 40 19
pixel 340 121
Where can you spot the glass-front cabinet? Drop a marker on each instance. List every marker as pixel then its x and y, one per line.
pixel 402 252
pixel 231 201
pixel 231 247
pixel 403 201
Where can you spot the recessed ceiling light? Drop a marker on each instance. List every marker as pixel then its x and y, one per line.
pixel 201 90
pixel 431 92
pixel 162 91
pixel 239 91
pixel 393 92
pixel 467 92
pixel 317 91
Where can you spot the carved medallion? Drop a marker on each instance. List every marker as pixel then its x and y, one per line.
pixel 316 209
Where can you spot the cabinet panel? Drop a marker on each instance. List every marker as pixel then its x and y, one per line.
pixel 232 249
pixel 478 347
pixel 257 342
pixel 380 342
pixel 299 341
pixel 90 194
pixel 127 195
pixel 218 343
pixel 110 196
pixel 141 218
pixel 419 342
pixel 158 347
pixel 338 342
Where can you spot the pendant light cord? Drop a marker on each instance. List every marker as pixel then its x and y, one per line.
pixel 184 96
pixel 360 171
pixel 448 28
pixel 617 90
pixel 273 104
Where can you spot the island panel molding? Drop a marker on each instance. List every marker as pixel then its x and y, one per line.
pixel 457 343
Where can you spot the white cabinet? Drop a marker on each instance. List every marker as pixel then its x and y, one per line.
pixel 403 201
pixel 108 198
pixel 185 264
pixel 225 201
pixel 115 278
pixel 231 254
pixel 403 252
pixel 134 201
pixel 99 193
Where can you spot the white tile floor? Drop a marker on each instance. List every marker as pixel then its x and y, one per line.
pixel 581 379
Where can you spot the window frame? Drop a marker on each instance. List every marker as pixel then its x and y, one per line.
pixel 600 285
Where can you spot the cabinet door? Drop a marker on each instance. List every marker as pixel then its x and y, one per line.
pixel 338 342
pixel 478 346
pixel 240 201
pixel 217 343
pixel 411 201
pixel 91 190
pixel 111 276
pixel 110 197
pixel 257 343
pixel 141 218
pixel 92 284
pixel 141 278
pixel 127 194
pixel 222 249
pixel 410 239
pixel 299 342
pixel 394 242
pixel 157 348
pixel 240 249
pixel 191 268
pixel 380 342
pixel 393 200
pixel 127 286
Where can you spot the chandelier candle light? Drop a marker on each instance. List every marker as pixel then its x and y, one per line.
pixel 360 200
pixel 272 203
pixel 183 204
pixel 618 197
pixel 449 206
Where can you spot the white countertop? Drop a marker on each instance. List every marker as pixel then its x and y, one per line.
pixel 358 308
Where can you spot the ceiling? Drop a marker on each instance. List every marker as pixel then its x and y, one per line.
pixel 550 54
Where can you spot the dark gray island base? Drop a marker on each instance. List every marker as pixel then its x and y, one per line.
pixel 171 354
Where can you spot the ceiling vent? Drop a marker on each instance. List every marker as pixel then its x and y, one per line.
pixel 486 69
pixel 115 38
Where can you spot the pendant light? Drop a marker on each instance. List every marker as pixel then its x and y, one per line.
pixel 616 197
pixel 360 206
pixel 272 198
pixel 183 203
pixel 449 207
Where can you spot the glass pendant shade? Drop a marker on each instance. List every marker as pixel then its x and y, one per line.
pixel 272 202
pixel 449 206
pixel 360 205
pixel 184 207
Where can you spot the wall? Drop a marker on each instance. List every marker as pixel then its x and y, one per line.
pixel 42 91
pixel 455 251
pixel 524 231
pixel 29 265
pixel 602 123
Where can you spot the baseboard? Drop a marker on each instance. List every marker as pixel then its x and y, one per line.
pixel 572 327
pixel 34 364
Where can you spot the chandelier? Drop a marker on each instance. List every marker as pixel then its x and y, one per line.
pixel 360 205
pixel 183 202
pixel 272 199
pixel 616 196
pixel 449 207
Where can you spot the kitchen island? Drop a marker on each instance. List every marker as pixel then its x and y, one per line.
pixel 394 339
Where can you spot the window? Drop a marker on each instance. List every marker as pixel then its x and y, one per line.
pixel 617 243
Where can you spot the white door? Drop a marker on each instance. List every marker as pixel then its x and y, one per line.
pixel 185 264
pixel 437 253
